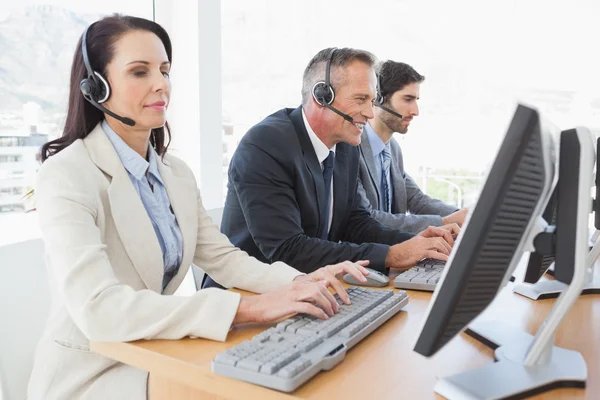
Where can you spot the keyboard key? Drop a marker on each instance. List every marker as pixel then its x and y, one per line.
pixel 249 364
pixel 294 368
pixel 282 325
pixel 423 278
pixel 227 359
pixel 310 344
pixel 276 338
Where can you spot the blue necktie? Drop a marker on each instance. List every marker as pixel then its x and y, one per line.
pixel 386 159
pixel 327 176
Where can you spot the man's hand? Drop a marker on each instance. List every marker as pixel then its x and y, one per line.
pixel 434 242
pixel 457 217
pixel 447 232
pixel 406 254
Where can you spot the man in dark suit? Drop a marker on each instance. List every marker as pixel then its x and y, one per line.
pixel 293 179
pixel 390 194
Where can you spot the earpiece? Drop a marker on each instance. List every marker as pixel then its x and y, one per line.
pixel 380 99
pixel 322 91
pixel 95 88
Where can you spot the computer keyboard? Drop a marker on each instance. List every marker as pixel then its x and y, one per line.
pixel 423 276
pixel 289 354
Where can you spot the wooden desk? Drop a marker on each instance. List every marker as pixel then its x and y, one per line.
pixel 382 366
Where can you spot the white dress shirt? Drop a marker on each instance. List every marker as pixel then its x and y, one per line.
pixel 322 153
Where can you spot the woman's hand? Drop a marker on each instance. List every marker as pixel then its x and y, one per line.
pixel 308 294
pixel 331 274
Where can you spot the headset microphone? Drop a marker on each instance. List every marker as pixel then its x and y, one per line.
pixel 125 120
pixel 95 88
pixel 341 114
pixel 324 94
pixel 380 99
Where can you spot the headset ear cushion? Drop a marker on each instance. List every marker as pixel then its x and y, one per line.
pixel 102 88
pixel 323 93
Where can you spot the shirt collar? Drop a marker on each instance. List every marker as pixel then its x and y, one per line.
pixel 377 145
pixel 153 167
pixel 320 147
pixel 135 164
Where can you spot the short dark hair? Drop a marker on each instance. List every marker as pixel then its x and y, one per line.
pixel 82 117
pixel 315 70
pixel 393 76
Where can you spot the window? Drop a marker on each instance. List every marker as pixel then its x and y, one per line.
pixel 477 63
pixel 7 158
pixel 34 91
pixel 9 141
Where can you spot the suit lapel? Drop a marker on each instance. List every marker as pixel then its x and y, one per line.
pixel 130 217
pixel 367 153
pixel 310 158
pixel 183 197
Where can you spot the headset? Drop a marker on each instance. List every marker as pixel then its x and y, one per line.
pixel 380 99
pixel 95 87
pixel 323 92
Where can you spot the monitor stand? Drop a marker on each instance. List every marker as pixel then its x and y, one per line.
pixel 510 376
pixel 552 288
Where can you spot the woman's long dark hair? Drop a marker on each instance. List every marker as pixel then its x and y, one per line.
pixel 82 117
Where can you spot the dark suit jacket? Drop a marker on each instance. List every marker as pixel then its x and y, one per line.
pixel 412 210
pixel 276 201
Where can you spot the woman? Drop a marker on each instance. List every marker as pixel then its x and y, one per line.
pixel 122 220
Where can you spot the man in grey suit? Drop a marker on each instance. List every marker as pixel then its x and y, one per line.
pixel 390 194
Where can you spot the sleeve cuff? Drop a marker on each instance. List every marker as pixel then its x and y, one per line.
pixel 215 322
pixel 377 257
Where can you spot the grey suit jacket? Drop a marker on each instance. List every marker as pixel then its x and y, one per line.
pixel 407 196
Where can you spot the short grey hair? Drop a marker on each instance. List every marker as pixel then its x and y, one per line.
pixel 315 70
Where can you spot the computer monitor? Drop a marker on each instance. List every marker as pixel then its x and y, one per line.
pixel 564 270
pixel 538 262
pixel 496 233
pixel 544 255
pixel 517 187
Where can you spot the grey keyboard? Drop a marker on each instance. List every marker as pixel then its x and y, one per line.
pixel 423 276
pixel 298 348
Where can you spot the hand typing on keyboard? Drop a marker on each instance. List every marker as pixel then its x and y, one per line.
pixel 448 232
pixel 434 242
pixel 457 217
pixel 308 294
pixel 331 274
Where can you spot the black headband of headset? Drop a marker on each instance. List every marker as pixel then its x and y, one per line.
pixel 328 69
pixel 84 52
